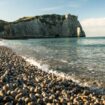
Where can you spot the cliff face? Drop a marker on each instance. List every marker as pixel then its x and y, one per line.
pixel 2 26
pixel 43 26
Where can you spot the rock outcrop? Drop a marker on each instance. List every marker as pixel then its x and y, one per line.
pixel 45 26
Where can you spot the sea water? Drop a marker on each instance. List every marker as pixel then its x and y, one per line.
pixel 83 59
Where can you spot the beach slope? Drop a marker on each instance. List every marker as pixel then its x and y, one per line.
pixel 22 83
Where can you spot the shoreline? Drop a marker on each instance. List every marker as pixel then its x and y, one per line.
pixel 23 83
pixel 94 85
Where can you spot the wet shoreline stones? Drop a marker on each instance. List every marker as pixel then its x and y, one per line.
pixel 25 84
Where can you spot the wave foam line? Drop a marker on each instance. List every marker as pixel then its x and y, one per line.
pixel 2 42
pixel 45 68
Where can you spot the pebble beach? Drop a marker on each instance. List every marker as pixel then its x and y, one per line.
pixel 24 84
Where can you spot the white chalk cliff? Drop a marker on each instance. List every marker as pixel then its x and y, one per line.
pixel 42 27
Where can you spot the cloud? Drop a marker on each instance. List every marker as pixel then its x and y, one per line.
pixel 94 26
pixel 49 8
pixel 94 21
pixel 73 5
pixel 70 4
pixel 84 0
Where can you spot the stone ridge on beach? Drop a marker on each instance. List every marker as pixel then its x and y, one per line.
pixel 44 26
pixel 25 84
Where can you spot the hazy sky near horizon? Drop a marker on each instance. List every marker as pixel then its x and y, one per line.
pixel 91 13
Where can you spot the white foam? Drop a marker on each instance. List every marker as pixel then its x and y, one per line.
pixel 45 68
pixel 2 42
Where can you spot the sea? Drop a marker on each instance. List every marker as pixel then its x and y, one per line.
pixel 80 59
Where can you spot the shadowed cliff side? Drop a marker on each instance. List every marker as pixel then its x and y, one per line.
pixel 45 26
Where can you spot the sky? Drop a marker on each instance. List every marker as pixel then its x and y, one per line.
pixel 91 13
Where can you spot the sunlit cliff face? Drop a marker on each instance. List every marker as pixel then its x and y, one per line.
pixel 94 26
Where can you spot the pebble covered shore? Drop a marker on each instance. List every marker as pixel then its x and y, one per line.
pixel 25 84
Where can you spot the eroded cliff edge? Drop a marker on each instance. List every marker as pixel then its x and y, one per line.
pixel 42 27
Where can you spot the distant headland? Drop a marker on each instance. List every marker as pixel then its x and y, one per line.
pixel 44 26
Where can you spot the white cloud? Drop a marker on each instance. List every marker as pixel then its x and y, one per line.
pixel 74 5
pixel 49 8
pixel 94 21
pixel 94 26
pixel 70 4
